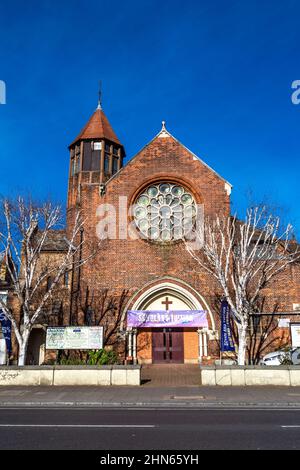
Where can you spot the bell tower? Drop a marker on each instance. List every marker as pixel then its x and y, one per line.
pixel 95 155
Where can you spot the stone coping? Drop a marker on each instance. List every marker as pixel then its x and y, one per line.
pixel 81 367
pixel 235 367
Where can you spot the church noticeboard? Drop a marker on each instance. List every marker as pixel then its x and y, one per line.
pixel 295 335
pixel 75 337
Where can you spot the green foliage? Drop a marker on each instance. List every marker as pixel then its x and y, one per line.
pixel 97 357
pixel 102 357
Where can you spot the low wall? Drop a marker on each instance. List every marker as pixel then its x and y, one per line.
pixel 70 375
pixel 250 375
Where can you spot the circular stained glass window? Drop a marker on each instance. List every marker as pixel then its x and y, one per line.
pixel 165 212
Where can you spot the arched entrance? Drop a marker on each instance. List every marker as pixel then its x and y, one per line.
pixel 167 342
pixel 183 340
pixel 36 346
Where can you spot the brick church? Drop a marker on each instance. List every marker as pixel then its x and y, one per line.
pixel 160 181
pixel 137 214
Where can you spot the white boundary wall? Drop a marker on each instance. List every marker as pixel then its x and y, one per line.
pixel 70 375
pixel 250 376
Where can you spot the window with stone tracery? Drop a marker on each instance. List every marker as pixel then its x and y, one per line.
pixel 165 212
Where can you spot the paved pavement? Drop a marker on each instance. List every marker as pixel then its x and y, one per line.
pixel 170 375
pixel 154 397
pixel 103 429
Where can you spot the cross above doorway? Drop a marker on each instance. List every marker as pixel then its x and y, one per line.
pixel 167 302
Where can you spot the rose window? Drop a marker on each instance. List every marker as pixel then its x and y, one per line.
pixel 165 212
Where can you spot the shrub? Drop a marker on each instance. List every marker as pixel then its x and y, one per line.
pixel 101 357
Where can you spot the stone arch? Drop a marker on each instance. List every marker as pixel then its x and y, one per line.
pixel 143 298
pixel 36 346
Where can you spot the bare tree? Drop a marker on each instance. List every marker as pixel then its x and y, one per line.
pixel 100 307
pixel 24 232
pixel 262 332
pixel 262 336
pixel 244 258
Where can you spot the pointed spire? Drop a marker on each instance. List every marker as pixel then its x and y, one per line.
pixel 98 127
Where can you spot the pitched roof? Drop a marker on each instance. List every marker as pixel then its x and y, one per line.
pixel 55 241
pixel 98 127
pixel 165 134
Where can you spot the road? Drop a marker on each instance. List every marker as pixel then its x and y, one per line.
pixel 96 428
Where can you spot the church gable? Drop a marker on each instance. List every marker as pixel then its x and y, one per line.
pixel 166 159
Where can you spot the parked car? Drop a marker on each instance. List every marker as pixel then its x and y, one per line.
pixel 281 356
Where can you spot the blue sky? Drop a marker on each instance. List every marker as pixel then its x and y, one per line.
pixel 219 72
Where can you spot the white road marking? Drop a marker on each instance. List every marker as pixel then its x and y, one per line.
pixel 77 426
pixel 292 426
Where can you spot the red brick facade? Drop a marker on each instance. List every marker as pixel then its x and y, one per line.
pixel 134 265
pixel 140 271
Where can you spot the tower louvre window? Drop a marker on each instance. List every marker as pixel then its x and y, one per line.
pixel 106 163
pixel 91 157
pixel 87 157
pixel 96 154
pixel 115 165
pixel 75 165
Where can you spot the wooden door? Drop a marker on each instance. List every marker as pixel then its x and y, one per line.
pixel 167 345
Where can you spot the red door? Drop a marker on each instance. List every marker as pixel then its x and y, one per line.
pixel 167 345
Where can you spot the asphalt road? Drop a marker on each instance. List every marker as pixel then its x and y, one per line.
pixel 144 429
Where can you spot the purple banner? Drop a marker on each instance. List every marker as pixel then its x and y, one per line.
pixel 163 318
pixel 227 343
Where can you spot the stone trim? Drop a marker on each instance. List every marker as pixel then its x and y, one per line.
pixel 250 376
pixel 70 375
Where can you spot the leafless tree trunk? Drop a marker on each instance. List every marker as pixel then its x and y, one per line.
pixel 24 231
pixel 244 258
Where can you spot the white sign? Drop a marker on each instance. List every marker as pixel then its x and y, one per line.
pixel 97 146
pixel 75 337
pixel 3 357
pixel 284 323
pixel 295 334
